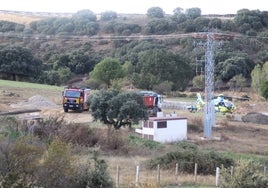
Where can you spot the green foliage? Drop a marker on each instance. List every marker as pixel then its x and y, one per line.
pixel 156 66
pixel 187 155
pixel 118 109
pixel 201 24
pixel 107 70
pixel 120 28
pixel 6 26
pixel 246 174
pixel 155 12
pixel 163 88
pixel 238 82
pixel 228 25
pixel 56 170
pixel 199 82
pixel 264 90
pixel 19 161
pixel 84 16
pixel 97 177
pixel 256 77
pixel 17 61
pixel 81 23
pixel 259 76
pixel 93 84
pixel 77 62
pixel 48 129
pixel 246 20
pixel 141 142
pixel 234 66
pixel 9 127
pixel 108 15
pixel 178 15
pixel 160 26
pixel 193 13
pixel 215 23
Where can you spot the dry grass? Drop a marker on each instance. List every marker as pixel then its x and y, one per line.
pixel 148 178
pixel 21 19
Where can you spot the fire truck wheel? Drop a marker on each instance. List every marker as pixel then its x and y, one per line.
pixel 81 109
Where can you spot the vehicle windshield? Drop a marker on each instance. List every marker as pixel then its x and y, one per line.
pixel 71 93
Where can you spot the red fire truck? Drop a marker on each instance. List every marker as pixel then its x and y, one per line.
pixel 75 99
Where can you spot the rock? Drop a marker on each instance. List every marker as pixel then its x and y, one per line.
pixel 255 117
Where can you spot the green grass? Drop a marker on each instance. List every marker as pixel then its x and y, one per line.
pixel 245 156
pixel 17 84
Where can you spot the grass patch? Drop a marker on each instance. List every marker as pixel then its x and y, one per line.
pixel 8 83
pixel 150 144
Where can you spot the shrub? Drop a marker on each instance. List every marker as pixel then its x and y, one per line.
pixel 163 87
pixel 186 158
pixel 150 144
pixel 9 127
pixel 79 134
pixel 19 161
pixel 195 124
pixel 246 174
pixel 94 176
pixel 56 170
pixel 48 129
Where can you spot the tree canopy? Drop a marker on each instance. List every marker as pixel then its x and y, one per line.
pixel 259 76
pixel 107 70
pixel 157 65
pixel 118 109
pixel 16 60
pixel 155 12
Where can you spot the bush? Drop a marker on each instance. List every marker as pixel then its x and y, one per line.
pixel 150 144
pixel 195 124
pixel 19 161
pixel 187 156
pixel 163 87
pixel 48 129
pixel 79 134
pixel 56 169
pixel 246 174
pixel 97 177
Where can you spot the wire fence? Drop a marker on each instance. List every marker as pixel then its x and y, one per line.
pixel 138 176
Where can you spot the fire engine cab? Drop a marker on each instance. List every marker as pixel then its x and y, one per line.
pixel 75 99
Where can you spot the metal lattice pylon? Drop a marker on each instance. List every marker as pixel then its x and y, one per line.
pixel 209 111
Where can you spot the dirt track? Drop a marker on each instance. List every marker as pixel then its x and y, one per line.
pixel 39 106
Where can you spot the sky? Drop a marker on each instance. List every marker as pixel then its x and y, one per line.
pixel 132 6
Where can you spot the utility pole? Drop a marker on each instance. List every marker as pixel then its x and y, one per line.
pixel 209 111
pixel 210 44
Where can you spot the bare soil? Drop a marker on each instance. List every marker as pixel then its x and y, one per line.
pixel 227 135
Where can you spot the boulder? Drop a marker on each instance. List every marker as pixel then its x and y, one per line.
pixel 255 117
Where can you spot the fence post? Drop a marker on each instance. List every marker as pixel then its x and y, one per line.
pixel 137 175
pixel 217 177
pixel 158 174
pixel 117 176
pixel 177 173
pixel 232 170
pixel 195 172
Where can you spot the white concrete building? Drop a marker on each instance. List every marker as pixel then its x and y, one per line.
pixel 164 129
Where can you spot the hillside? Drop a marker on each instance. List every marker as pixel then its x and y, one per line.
pixel 78 52
pixel 77 42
